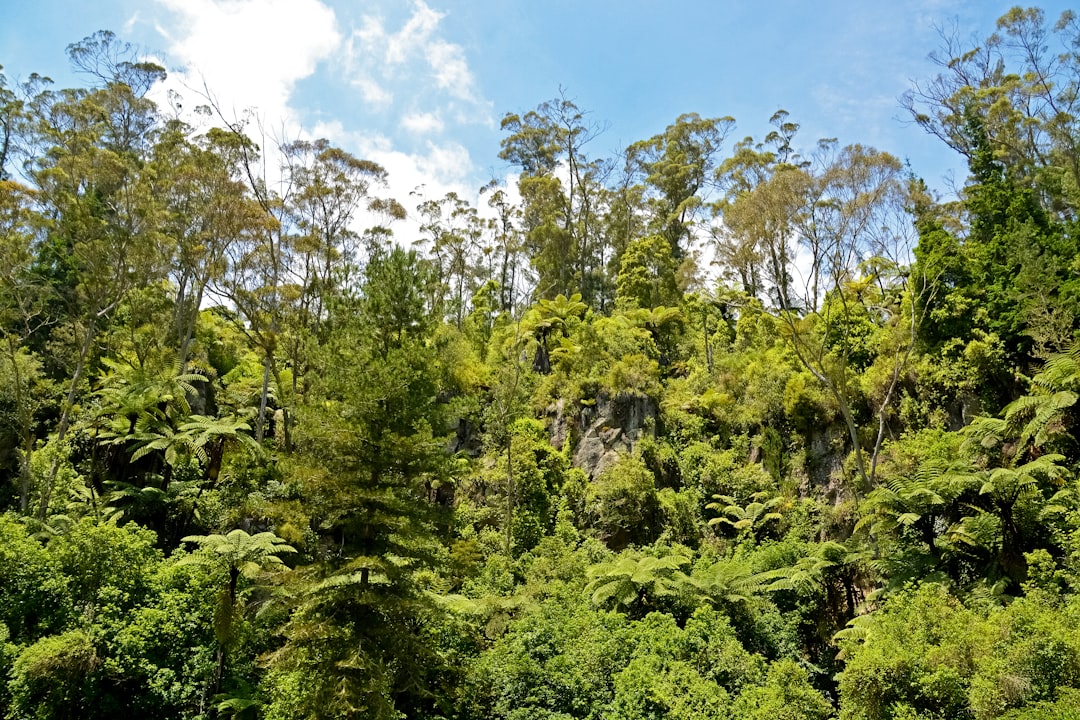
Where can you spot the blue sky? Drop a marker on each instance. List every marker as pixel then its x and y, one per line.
pixel 421 86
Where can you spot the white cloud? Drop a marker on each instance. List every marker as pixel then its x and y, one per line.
pixel 440 168
pixel 451 72
pixel 430 174
pixel 372 92
pixel 251 53
pixel 422 123
pixel 414 35
pixel 417 58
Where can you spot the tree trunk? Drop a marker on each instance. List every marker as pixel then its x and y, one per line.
pixel 189 328
pixel 26 436
pixel 509 491
pixel 260 424
pixel 65 420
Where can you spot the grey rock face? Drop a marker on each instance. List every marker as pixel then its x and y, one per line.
pixel 610 428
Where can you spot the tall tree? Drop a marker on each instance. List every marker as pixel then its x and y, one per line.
pixel 507 250
pixel 256 263
pixel 333 193
pixel 206 210
pixel 24 313
pixel 765 192
pixel 1009 104
pixel 847 209
pixel 1021 83
pixel 103 216
pixel 354 645
pixel 12 118
pixel 677 165
pixel 454 233
pixel 860 235
pixel 560 188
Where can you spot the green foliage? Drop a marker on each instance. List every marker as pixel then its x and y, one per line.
pixel 807 404
pixel 558 661
pixel 786 695
pixel 638 585
pixel 758 513
pixel 538 472
pixel 233 556
pixel 353 648
pixel 58 676
pixel 519 472
pixel 622 504
pixel 647 275
pixel 926 653
pixel 160 656
pixel 108 568
pixel 35 596
pixel 657 686
pixel 568 661
pixel 727 582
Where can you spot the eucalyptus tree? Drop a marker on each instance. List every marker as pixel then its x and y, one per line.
pixel 647 275
pixel 846 210
pixel 766 187
pixel 561 191
pixel 256 263
pixel 333 194
pixel 860 235
pixel 12 117
pixel 625 201
pixel 1009 104
pixel 207 209
pixel 677 167
pixel 23 314
pixel 1021 83
pixel 454 235
pixel 507 250
pixel 103 217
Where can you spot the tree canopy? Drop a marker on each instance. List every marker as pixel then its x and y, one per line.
pixel 706 428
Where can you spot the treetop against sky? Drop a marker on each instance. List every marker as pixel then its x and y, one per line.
pixel 420 87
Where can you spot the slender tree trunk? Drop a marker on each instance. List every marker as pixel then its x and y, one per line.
pixel 260 425
pixel 819 372
pixel 509 491
pixel 26 436
pixel 849 595
pixel 189 328
pixel 181 312
pixel 225 640
pixel 65 419
pixel 898 364
pixel 708 345
pixel 507 413
pixel 286 416
pixel 853 433
pixel 24 472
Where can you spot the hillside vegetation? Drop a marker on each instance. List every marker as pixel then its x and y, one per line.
pixel 719 427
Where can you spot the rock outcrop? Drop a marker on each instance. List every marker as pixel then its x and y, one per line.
pixel 611 427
